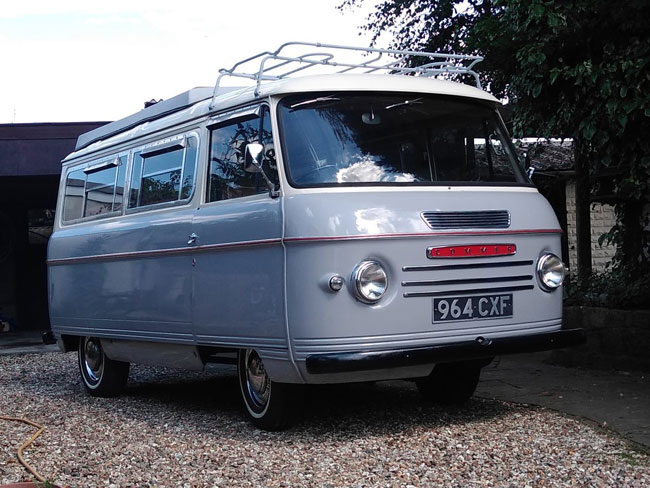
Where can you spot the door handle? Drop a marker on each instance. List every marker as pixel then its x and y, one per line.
pixel 192 239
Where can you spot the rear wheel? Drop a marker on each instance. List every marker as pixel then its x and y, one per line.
pixel 270 405
pixel 450 383
pixel 101 376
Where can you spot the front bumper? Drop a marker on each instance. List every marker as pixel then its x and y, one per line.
pixel 480 348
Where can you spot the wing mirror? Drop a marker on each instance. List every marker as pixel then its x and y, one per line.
pixel 253 157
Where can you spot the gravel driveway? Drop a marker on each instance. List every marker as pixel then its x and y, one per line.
pixel 180 429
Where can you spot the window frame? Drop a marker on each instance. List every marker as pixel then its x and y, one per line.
pixel 168 144
pixel 282 135
pixel 91 167
pixel 258 111
pixel 90 170
pixel 115 159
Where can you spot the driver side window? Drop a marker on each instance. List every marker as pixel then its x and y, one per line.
pixel 227 178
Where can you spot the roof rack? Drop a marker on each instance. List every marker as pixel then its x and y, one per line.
pixel 279 64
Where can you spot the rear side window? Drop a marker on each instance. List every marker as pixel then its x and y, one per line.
pixel 95 190
pixel 163 173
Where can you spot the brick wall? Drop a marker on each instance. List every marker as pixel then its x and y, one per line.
pixel 602 219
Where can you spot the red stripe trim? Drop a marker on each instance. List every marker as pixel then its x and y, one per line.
pixel 161 252
pixel 425 234
pixel 216 247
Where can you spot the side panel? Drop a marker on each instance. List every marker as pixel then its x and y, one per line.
pixel 124 278
pixel 239 275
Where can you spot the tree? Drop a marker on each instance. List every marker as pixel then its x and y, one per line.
pixel 571 68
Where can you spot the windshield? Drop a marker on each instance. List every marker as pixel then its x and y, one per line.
pixel 353 139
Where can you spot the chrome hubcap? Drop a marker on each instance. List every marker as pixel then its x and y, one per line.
pixel 258 382
pixel 93 359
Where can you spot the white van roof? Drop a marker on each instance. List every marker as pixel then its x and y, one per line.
pixel 274 74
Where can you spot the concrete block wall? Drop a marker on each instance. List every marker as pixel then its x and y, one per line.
pixel 602 220
pixel 616 339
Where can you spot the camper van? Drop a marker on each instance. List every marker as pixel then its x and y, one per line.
pixel 347 215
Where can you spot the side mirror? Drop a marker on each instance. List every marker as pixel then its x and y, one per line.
pixel 253 157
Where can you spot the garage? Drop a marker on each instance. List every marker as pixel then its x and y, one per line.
pixel 30 167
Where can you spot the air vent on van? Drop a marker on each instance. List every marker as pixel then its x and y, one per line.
pixel 479 219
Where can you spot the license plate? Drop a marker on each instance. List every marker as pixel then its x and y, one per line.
pixel 472 307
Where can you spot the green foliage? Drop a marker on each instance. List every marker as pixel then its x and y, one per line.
pixel 575 69
pixel 619 287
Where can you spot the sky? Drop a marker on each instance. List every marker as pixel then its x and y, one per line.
pixel 85 60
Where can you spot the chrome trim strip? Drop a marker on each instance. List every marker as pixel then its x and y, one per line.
pixel 443 267
pixel 424 234
pixel 499 279
pixel 237 113
pixel 306 347
pixel 455 293
pixel 142 335
pixel 111 163
pixel 243 341
pixel 163 147
pixel 160 252
pixel 213 247
pixel 311 343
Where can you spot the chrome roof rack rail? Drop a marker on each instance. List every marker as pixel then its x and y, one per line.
pixel 280 64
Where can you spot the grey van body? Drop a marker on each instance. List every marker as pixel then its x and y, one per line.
pixel 187 281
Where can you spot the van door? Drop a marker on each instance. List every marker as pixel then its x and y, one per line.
pixel 239 258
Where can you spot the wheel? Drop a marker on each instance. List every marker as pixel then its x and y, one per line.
pixel 101 376
pixel 270 405
pixel 450 383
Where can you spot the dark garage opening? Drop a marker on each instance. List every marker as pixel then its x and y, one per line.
pixel 30 167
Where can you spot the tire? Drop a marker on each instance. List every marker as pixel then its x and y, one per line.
pixel 101 376
pixel 270 406
pixel 450 383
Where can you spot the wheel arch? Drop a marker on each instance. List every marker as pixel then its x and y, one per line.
pixel 68 343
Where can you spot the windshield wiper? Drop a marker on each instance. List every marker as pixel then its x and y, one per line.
pixel 405 102
pixel 314 100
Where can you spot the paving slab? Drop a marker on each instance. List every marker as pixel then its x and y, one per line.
pixel 24 343
pixel 616 400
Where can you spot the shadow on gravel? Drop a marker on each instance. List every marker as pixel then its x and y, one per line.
pixel 211 402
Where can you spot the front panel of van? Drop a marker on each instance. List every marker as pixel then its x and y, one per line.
pixel 429 189
pixel 387 227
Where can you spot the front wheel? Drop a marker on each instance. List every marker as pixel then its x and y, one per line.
pixel 101 376
pixel 450 383
pixel 270 405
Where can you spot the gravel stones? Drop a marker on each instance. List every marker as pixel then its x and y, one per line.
pixel 185 429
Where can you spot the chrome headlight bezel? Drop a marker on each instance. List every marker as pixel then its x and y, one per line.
pixel 551 272
pixel 370 281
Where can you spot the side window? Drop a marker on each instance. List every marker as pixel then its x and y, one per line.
pixel 165 174
pixel 227 178
pixel 95 190
pixel 73 199
pixel 161 176
pixel 100 191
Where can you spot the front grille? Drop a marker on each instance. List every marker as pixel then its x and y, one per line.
pixel 477 278
pixel 479 219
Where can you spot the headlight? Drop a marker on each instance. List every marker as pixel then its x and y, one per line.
pixel 370 281
pixel 550 271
